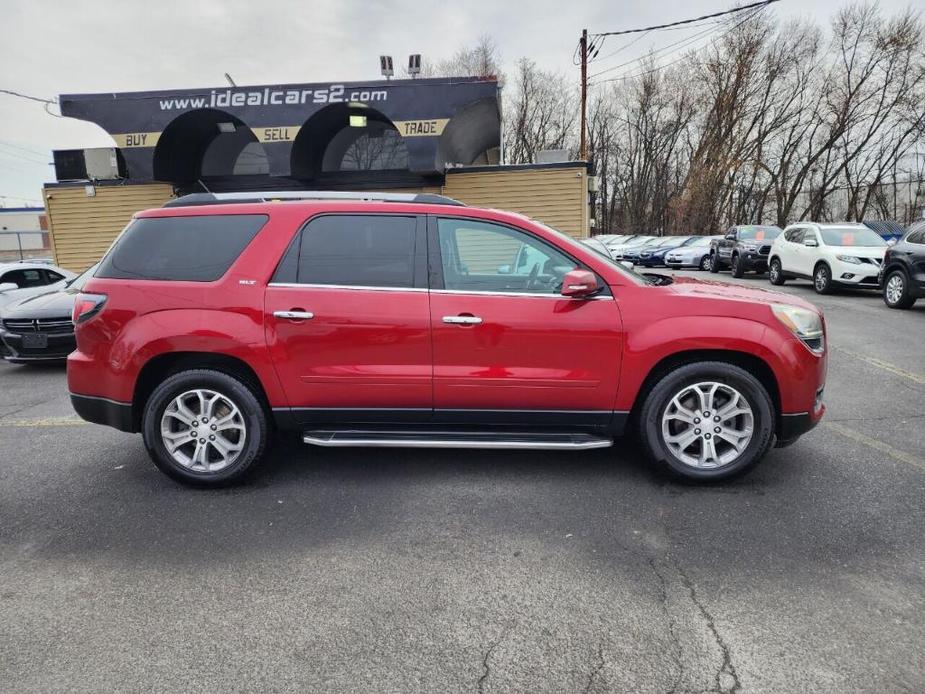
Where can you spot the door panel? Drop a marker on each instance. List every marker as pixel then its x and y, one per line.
pixel 363 348
pixel 348 321
pixel 521 346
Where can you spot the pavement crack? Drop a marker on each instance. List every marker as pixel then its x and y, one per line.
pixel 595 671
pixel 727 668
pixel 672 626
pixel 486 667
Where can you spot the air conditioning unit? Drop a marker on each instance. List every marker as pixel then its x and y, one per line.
pixel 96 164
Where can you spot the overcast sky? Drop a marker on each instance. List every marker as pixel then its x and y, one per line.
pixel 51 47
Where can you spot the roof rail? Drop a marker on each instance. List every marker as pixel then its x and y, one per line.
pixel 272 196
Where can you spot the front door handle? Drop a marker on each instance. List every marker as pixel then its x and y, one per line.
pixel 462 320
pixel 294 314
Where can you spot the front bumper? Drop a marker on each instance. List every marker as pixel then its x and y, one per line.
pixel 754 261
pixel 59 346
pixel 856 275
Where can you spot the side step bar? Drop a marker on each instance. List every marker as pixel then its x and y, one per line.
pixel 454 439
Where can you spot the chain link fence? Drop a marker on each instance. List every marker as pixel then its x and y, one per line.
pixel 24 245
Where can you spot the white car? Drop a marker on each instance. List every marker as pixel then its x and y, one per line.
pixel 842 254
pixel 617 249
pixel 22 279
pixel 695 254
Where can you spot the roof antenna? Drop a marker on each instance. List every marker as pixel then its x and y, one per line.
pixel 199 181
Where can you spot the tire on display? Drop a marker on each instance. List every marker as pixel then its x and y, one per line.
pixel 231 428
pixel 896 290
pixel 667 422
pixel 776 273
pixel 822 279
pixel 714 263
pixel 737 269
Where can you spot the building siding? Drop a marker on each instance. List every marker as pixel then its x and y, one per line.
pixel 555 196
pixel 83 227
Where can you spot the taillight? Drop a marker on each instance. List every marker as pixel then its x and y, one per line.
pixel 87 306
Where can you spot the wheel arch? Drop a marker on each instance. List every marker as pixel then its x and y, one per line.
pixel 751 363
pixel 162 366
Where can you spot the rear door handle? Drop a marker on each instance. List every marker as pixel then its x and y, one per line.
pixel 462 320
pixel 294 314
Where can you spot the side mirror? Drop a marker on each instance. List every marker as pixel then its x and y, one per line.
pixel 892 242
pixel 810 243
pixel 579 283
pixel 628 264
pixel 7 286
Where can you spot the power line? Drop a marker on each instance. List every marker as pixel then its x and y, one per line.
pixel 27 96
pixel 763 3
pixel 683 57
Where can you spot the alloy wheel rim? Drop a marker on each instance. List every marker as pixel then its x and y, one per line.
pixel 821 278
pixel 203 430
pixel 894 289
pixel 775 270
pixel 708 425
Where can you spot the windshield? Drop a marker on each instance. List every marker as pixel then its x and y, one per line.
pixel 77 284
pixel 851 236
pixel 675 241
pixel 639 240
pixel 758 233
pixel 700 241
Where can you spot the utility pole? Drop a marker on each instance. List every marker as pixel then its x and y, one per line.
pixel 583 47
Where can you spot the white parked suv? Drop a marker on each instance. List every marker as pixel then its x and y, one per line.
pixel 841 254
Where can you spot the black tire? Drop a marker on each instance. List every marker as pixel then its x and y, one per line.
pixel 737 269
pixel 673 383
pixel 776 273
pixel 822 279
pixel 704 263
pixel 253 414
pixel 714 263
pixel 903 299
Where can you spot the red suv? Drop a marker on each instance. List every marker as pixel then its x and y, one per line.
pixel 412 320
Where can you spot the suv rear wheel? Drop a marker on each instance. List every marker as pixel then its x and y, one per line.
pixel 205 428
pixel 707 421
pixel 896 290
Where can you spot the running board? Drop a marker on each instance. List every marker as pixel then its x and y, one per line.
pixel 445 439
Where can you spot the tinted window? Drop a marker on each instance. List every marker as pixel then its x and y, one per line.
pixel 478 256
pixel 794 235
pixel 196 249
pixel 24 278
pixel 916 237
pixel 53 276
pixel 358 251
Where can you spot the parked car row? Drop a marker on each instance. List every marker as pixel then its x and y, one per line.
pixel 830 255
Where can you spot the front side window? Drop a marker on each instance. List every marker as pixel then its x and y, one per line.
pixel 23 278
pixel 191 248
pixel 480 256
pixel 794 235
pixel 357 251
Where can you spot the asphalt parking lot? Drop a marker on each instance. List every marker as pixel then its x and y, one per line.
pixel 414 570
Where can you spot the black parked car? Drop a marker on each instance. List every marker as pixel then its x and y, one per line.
pixel 744 248
pixel 39 328
pixel 902 274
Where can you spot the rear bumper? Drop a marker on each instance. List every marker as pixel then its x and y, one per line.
pixel 104 411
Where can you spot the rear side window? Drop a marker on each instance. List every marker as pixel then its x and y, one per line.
pixel 194 249
pixel 355 251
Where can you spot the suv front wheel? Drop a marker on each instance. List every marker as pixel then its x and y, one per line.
pixel 707 422
pixel 205 428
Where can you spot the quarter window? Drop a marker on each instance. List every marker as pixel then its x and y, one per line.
pixel 357 251
pixel 479 256
pixel 795 235
pixel 192 248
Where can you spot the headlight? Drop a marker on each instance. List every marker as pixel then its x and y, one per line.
pixel 805 324
pixel 849 259
pixel 750 247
